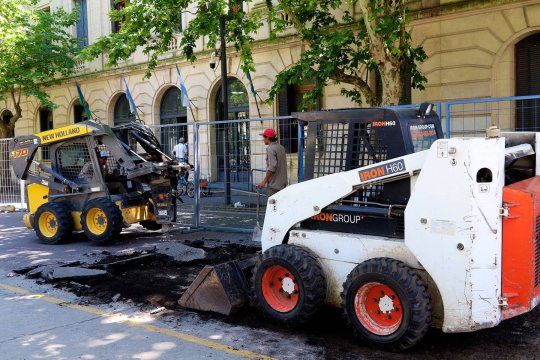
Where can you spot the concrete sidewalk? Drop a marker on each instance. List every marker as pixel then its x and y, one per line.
pixel 42 326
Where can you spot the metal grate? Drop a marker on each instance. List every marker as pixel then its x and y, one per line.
pixel 367 148
pixel 74 161
pixel 10 190
pixel 537 253
pixel 332 142
pixel 111 167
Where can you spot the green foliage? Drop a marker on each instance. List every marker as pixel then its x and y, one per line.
pixel 342 49
pixel 37 48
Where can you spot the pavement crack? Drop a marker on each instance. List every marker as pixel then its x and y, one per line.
pixel 50 329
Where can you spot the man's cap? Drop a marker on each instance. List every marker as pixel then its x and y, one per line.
pixel 269 133
pixel 104 154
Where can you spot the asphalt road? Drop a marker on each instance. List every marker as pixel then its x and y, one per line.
pixel 39 321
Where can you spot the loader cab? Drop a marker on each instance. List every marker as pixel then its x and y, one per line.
pixel 93 162
pixel 342 140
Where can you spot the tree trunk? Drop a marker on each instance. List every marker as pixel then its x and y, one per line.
pixel 392 85
pixel 389 66
pixel 5 130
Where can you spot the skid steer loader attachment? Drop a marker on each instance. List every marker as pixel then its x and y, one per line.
pixel 222 288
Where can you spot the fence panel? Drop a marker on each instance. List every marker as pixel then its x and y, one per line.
pixel 229 157
pixel 169 136
pixel 11 189
pixel 229 160
pixel 473 116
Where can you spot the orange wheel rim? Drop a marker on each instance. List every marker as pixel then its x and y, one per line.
pixel 280 289
pixel 378 308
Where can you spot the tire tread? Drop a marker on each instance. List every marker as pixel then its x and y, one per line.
pixel 416 292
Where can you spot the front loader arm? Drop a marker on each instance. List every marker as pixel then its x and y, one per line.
pixel 301 201
pixel 21 154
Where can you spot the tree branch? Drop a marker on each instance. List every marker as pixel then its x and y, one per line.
pixel 17 106
pixel 358 83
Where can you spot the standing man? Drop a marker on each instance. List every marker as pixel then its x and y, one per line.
pixel 276 164
pixel 180 151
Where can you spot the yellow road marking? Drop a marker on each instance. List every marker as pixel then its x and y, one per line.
pixel 121 318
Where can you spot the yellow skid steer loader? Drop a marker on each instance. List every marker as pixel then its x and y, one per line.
pixel 100 179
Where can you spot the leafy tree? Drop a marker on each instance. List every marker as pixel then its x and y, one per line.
pixel 343 49
pixel 37 49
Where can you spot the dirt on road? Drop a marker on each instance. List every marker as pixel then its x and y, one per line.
pixel 154 281
pixel 139 274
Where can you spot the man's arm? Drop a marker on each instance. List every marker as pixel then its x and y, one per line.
pixel 271 169
pixel 265 180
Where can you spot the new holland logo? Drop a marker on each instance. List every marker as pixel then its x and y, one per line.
pixel 382 170
pixel 60 134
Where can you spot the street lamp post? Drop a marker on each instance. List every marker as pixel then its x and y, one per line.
pixel 225 109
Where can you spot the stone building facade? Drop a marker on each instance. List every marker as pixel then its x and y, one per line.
pixel 472 47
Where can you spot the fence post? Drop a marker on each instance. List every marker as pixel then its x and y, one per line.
pixel 300 151
pixel 448 115
pixel 23 194
pixel 197 210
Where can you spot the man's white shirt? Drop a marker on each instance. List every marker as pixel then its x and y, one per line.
pixel 181 151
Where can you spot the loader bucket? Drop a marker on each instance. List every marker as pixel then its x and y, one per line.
pixel 221 288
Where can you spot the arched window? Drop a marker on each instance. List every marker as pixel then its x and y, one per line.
pixel 171 111
pixel 5 117
pixel 78 113
pixel 528 82
pixel 236 135
pixel 122 113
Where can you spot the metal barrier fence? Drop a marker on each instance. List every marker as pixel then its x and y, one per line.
pixel 11 189
pixel 471 117
pixel 229 157
pixel 229 160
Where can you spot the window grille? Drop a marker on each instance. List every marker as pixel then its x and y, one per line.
pixel 74 162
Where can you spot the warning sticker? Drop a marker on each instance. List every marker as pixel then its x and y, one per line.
pixel 442 149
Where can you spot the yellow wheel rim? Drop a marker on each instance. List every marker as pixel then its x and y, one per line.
pixel 96 221
pixel 48 224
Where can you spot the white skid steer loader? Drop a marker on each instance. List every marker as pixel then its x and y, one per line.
pixel 448 236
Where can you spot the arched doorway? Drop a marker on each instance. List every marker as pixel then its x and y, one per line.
pixel 5 117
pixel 122 113
pixel 233 138
pixel 528 82
pixel 171 111
pixel 79 113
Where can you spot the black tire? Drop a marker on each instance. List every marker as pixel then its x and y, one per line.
pixel 410 316
pixel 181 189
pixel 108 211
pixel 59 220
pixel 308 293
pixel 151 225
pixel 190 189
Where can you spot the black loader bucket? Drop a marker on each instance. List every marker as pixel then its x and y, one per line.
pixel 222 288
